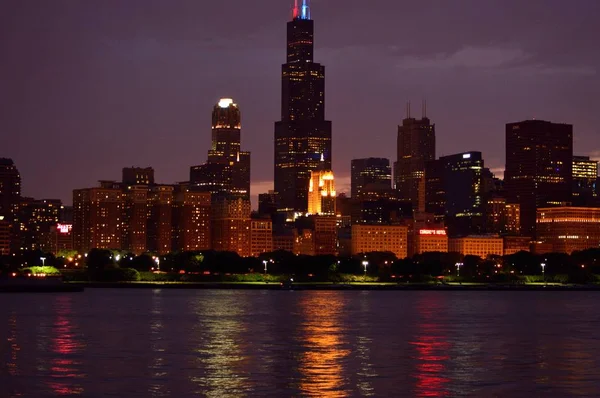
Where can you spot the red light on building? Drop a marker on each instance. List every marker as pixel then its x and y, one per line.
pixel 432 232
pixel 64 228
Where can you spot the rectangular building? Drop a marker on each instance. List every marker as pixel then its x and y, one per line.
pixel 585 181
pixel 4 236
pixel 569 229
pixel 515 244
pixel 160 219
pixel 430 240
pixel 231 225
pixel 97 216
pixel 539 167
pixel 380 238
pixel 191 220
pixel 261 236
pixel 481 246
pixel 135 218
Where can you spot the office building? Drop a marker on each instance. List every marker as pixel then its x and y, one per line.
pixel 370 175
pixel 191 219
pixel 568 229
pixel 302 136
pixel 415 147
pixel 321 193
pixel 481 246
pixel 261 236
pixel 539 167
pixel 227 170
pixel 138 176
pixel 97 214
pixel 380 238
pixel 585 182
pixel 501 217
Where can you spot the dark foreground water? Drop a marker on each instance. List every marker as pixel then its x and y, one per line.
pixel 157 343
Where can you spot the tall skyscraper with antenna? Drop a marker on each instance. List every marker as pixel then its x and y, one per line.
pixel 303 135
pixel 416 146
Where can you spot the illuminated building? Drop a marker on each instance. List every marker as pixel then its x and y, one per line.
pixel 97 216
pixel 34 219
pixel 515 244
pixel 138 176
pixel 415 147
pixel 539 163
pixel 380 238
pixel 191 219
pixel 321 193
pixel 430 240
pixel 569 229
pixel 160 213
pixel 501 217
pixel 456 188
pixel 261 236
pixel 227 170
pixel 59 239
pixel 303 134
pixel 585 181
pixel 421 221
pixel 231 225
pixel 482 246
pixel 135 218
pixel 4 237
pixel 10 197
pixel 370 175
pixel 315 235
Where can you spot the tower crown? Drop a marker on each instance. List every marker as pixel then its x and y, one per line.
pixel 301 11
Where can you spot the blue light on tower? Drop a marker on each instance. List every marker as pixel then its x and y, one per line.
pixel 305 10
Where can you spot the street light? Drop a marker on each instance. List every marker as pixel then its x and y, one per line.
pixel 544 271
pixel 265 263
pixel 458 265
pixel 157 261
pixel 365 264
pixel 43 261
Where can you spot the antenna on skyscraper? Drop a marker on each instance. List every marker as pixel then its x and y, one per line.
pixel 295 10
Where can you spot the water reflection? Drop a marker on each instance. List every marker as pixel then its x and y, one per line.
pixel 363 348
pixel 218 354
pixel 431 347
pixel 321 364
pixel 65 365
pixel 158 367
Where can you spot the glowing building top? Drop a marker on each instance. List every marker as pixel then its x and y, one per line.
pixel 301 11
pixel 321 192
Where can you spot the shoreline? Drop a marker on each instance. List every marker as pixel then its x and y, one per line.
pixel 329 286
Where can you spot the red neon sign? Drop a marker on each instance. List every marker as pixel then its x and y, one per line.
pixel 432 232
pixel 64 228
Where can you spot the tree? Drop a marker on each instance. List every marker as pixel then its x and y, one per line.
pixel 99 259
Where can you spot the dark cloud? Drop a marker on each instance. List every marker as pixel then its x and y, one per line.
pixel 91 86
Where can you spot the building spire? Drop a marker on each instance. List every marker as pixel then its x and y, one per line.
pixel 295 10
pixel 301 11
pixel 305 10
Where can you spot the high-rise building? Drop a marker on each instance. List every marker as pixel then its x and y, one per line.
pixel 35 219
pixel 370 175
pixel 10 197
pixel 4 237
pixel 160 215
pixel 415 147
pixel 135 218
pixel 303 135
pixel 191 219
pixel 97 214
pixel 231 225
pixel 227 170
pixel 539 167
pixel 454 188
pixel 138 176
pixel 261 236
pixel 321 193
pixel 586 191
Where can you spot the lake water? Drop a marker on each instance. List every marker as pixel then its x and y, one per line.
pixel 220 343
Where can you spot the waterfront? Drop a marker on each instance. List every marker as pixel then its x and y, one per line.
pixel 218 343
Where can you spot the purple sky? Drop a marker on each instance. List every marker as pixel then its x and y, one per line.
pixel 88 87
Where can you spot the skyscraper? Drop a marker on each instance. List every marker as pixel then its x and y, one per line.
pixel 539 163
pixel 585 181
pixel 415 146
pixel 10 196
pixel 370 174
pixel 227 170
pixel 321 193
pixel 303 134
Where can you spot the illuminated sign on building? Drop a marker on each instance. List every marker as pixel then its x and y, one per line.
pixel 64 228
pixel 432 232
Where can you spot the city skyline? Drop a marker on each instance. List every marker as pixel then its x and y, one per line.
pixel 161 123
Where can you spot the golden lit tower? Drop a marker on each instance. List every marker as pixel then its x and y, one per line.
pixel 321 192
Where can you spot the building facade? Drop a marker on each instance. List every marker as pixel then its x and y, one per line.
pixel 303 135
pixel 160 215
pixel 568 229
pixel 481 246
pixel 585 181
pixel 430 240
pixel 231 225
pixel 261 236
pixel 415 147
pixel 539 167
pixel 321 193
pixel 380 238
pixel 370 175
pixel 191 219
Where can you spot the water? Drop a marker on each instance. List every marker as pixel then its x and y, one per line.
pixel 180 343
